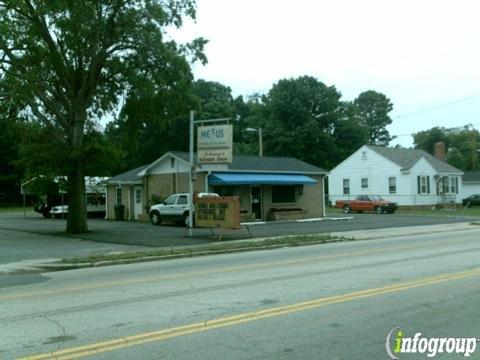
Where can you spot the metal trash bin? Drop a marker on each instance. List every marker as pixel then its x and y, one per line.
pixel 119 212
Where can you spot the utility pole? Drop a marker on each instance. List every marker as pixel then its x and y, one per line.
pixel 190 176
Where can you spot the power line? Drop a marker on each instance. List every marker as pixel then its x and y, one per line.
pixel 437 106
pixel 411 134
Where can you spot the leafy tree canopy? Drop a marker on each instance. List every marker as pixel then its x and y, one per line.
pixel 372 110
pixel 462 144
pixel 68 62
pixel 300 117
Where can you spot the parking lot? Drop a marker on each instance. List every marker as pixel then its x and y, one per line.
pixel 33 237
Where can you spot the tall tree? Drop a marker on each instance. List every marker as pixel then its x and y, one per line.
pixel 462 144
pixel 373 109
pixel 11 132
pixel 67 62
pixel 300 117
pixel 350 133
pixel 425 140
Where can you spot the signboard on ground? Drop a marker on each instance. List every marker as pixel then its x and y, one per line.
pixel 218 212
pixel 214 144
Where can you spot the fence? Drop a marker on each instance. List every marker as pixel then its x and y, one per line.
pixel 403 200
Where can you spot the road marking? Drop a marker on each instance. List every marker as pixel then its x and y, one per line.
pixel 123 282
pixel 154 336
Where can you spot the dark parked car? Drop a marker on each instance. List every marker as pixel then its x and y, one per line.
pixel 472 200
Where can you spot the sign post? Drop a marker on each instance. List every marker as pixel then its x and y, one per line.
pixel 214 146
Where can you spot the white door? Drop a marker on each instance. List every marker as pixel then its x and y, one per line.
pixel 138 207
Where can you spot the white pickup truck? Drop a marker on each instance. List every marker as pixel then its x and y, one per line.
pixel 175 207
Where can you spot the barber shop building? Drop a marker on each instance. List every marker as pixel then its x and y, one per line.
pixel 269 188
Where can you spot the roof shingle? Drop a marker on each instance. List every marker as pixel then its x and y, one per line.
pixel 263 163
pixel 407 158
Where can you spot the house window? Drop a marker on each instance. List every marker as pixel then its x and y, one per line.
pixel 138 196
pixel 346 186
pixel 364 183
pixel 118 196
pixel 454 185
pixel 450 185
pixel 172 162
pixel 364 155
pixel 423 183
pixel 283 194
pixel 392 185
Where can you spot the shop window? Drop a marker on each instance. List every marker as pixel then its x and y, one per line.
pixel 283 194
pixel 118 197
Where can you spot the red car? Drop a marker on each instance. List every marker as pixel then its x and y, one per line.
pixel 367 203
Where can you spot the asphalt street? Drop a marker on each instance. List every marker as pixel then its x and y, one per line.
pixel 332 301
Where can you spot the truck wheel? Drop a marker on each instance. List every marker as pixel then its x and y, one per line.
pixel 346 209
pixel 378 210
pixel 155 217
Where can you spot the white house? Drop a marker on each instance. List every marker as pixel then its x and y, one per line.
pixel 470 183
pixel 406 176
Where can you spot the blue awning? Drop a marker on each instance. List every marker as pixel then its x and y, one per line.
pixel 258 179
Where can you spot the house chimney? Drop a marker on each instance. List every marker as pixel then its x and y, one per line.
pixel 440 150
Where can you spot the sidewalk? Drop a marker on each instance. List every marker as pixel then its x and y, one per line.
pixel 405 231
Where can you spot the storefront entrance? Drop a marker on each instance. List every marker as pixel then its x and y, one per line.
pixel 256 201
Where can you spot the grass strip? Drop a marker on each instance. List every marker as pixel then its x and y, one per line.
pixel 223 247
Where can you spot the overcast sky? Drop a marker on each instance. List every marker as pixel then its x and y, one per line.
pixel 420 53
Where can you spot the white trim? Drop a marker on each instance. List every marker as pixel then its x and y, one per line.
pixel 117 182
pixel 291 172
pixel 160 159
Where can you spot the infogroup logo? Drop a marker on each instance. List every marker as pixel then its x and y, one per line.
pixel 397 343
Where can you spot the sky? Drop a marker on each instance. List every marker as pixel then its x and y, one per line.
pixel 421 54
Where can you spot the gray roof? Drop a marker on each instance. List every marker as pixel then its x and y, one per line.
pixel 263 163
pixel 407 158
pixel 128 176
pixel 471 176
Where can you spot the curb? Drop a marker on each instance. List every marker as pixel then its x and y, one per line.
pixel 67 266
pixel 336 237
pixel 298 221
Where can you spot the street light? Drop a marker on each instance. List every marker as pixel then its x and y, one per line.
pixel 260 138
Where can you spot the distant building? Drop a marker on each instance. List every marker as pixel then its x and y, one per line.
pixel 406 176
pixel 470 183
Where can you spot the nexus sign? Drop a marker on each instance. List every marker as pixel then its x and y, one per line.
pixel 214 144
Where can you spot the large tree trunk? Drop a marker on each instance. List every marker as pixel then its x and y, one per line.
pixel 77 211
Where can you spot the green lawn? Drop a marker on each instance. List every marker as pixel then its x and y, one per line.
pixel 453 212
pixel 15 209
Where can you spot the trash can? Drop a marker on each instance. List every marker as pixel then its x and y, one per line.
pixel 119 212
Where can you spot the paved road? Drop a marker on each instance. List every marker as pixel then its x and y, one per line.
pixel 333 301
